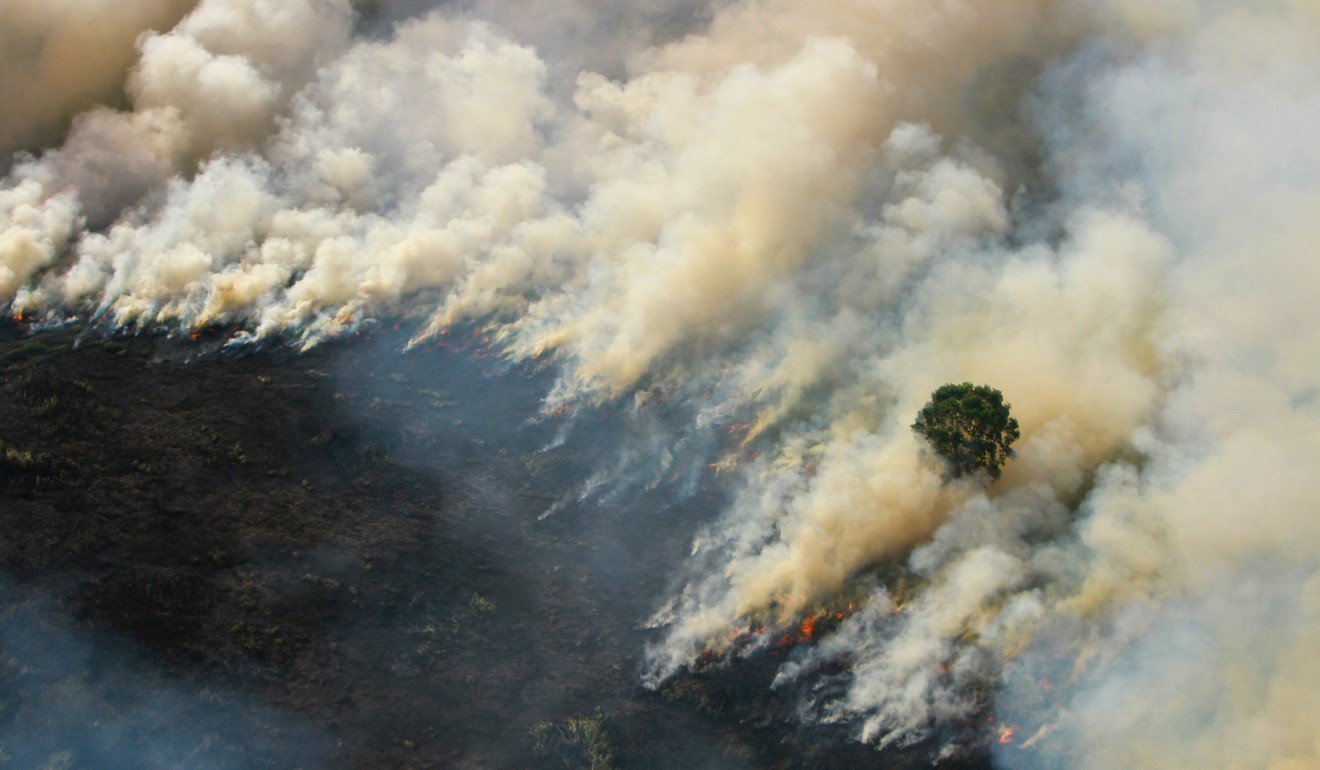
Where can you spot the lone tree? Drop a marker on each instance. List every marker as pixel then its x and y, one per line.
pixel 969 426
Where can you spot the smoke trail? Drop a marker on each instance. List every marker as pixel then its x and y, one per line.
pixel 801 219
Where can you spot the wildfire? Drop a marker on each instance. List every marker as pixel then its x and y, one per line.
pixel 804 632
pixel 1006 734
pixel 780 640
pixel 205 330
pixel 738 639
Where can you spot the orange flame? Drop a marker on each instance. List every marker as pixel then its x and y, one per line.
pixel 1006 734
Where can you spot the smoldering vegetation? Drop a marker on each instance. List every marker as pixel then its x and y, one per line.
pixel 767 231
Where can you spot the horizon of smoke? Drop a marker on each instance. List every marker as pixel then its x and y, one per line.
pixel 799 220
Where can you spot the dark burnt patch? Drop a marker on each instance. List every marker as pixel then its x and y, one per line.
pixel 341 556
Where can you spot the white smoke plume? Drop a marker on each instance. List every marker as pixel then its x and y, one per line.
pixel 802 218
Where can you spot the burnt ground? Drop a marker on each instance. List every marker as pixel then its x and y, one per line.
pixel 226 558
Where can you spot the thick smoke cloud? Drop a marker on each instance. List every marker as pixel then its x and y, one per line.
pixel 214 82
pixel 798 220
pixel 571 36
pixel 58 59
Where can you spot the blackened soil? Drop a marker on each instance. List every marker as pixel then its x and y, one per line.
pixel 337 558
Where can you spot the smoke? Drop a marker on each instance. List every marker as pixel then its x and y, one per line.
pixel 798 219
pixel 58 59
pixel 214 82
pixel 1214 661
pixel 570 36
pixel 78 700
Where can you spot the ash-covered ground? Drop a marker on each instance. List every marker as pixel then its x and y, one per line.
pixel 348 557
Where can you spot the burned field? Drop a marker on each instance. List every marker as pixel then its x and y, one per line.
pixel 341 558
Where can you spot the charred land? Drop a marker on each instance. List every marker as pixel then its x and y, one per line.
pixel 337 558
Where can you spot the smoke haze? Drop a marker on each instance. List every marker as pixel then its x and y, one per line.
pixel 796 219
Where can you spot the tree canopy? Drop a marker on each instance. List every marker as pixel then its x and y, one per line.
pixel 970 427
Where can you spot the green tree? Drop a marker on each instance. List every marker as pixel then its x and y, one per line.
pixel 970 427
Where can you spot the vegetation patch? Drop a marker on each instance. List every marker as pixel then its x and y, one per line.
pixel 577 742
